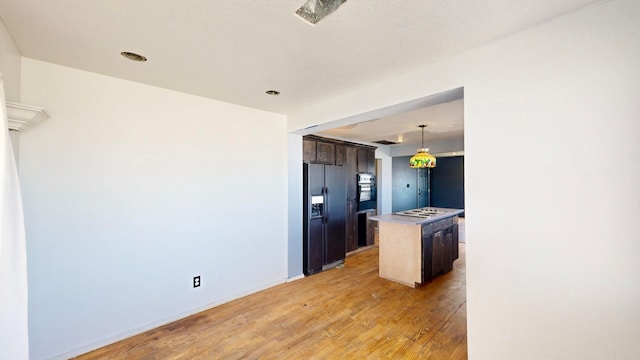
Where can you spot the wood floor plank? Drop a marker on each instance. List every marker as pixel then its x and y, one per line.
pixel 343 313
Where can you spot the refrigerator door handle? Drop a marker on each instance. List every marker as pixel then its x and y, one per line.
pixel 325 190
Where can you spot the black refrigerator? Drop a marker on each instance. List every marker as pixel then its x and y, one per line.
pixel 324 229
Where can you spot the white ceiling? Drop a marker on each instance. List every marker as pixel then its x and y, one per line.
pixel 443 121
pixel 235 50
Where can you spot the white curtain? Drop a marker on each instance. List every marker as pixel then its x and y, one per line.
pixel 14 331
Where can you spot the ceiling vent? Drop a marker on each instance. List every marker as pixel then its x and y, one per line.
pixel 316 10
pixel 385 142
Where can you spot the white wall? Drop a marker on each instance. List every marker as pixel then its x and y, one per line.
pixel 13 279
pixel 384 179
pixel 552 159
pixel 295 256
pixel 14 332
pixel 15 142
pixel 9 65
pixel 10 60
pixel 558 279
pixel 129 192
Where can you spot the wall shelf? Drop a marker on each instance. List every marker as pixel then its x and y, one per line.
pixel 21 117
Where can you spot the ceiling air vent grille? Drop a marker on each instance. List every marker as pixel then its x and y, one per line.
pixel 385 142
pixel 316 10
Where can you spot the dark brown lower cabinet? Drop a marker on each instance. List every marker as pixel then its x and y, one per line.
pixel 439 248
pixel 371 227
pixel 447 252
pixel 360 230
pixel 352 225
pixel 439 261
pixel 454 241
pixel 427 257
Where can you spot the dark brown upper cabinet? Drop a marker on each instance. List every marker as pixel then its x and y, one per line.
pixel 325 153
pixel 309 150
pixel 316 149
pixel 366 160
pixel 341 155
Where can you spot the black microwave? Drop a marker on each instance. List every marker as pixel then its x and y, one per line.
pixel 367 194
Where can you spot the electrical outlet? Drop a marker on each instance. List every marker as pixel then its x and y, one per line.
pixel 196 281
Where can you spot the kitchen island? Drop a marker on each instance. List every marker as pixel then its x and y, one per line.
pixel 417 245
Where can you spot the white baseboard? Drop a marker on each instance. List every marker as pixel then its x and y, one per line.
pixel 301 276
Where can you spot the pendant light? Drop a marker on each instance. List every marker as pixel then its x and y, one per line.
pixel 422 159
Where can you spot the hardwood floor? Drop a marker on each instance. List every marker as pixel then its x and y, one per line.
pixel 343 313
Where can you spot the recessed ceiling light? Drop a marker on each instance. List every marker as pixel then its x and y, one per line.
pixel 273 92
pixel 133 56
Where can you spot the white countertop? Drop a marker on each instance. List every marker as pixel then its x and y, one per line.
pixel 411 220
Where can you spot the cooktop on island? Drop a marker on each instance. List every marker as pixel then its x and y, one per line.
pixel 425 212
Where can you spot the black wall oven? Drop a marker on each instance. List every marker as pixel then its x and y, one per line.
pixel 367 194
